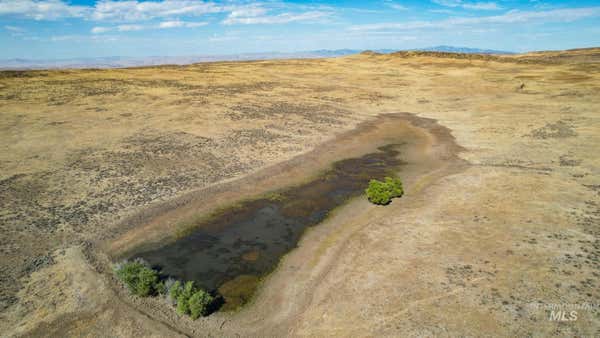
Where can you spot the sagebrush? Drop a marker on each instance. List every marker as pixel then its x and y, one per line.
pixel 381 193
pixel 144 281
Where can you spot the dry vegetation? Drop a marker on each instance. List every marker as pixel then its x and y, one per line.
pixel 463 254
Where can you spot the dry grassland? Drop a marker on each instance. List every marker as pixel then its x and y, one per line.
pixel 467 252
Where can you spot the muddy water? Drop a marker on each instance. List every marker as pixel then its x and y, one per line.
pixel 231 250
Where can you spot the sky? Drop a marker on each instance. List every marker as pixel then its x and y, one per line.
pixel 59 29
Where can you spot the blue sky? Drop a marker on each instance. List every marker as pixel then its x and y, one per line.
pixel 48 29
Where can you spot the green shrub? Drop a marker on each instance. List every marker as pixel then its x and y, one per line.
pixel 395 186
pixel 182 305
pixel 144 281
pixel 199 304
pixel 161 288
pixel 382 193
pixel 190 300
pixel 175 291
pixel 147 282
pixel 138 277
pixel 188 289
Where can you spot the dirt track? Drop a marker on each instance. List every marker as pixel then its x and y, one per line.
pixel 472 253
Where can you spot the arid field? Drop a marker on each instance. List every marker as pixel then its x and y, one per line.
pixel 498 228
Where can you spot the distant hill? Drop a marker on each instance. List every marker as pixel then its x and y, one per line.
pixel 465 50
pixel 119 61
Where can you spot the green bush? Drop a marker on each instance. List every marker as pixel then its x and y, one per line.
pixel 382 193
pixel 188 289
pixel 182 305
pixel 199 303
pixel 144 281
pixel 175 291
pixel 147 282
pixel 161 288
pixel 190 300
pixel 138 277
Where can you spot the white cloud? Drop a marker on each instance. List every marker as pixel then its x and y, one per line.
pixel 64 37
pixel 134 27
pixel 129 12
pixel 14 29
pixel 133 10
pixel 171 24
pixel 511 17
pixel 109 10
pixel 262 18
pixel 223 38
pixel 42 9
pixel 98 30
pixel 177 24
pixel 120 28
pixel 442 11
pixel 468 5
pixel 130 28
pixel 247 12
pixel 395 5
pixel 256 14
pixel 194 24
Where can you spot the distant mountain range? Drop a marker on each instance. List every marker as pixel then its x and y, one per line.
pixel 465 50
pixel 119 62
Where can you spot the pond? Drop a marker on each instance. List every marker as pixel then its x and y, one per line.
pixel 229 251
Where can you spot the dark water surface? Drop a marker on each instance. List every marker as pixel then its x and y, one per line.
pixel 247 240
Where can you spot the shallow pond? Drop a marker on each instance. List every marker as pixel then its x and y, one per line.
pixel 230 250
